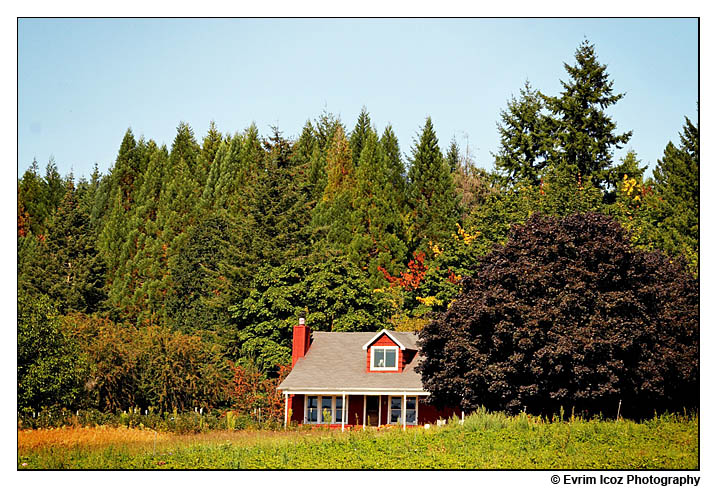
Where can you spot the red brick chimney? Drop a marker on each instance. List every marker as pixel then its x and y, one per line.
pixel 300 341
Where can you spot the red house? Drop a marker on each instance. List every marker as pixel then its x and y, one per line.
pixel 365 379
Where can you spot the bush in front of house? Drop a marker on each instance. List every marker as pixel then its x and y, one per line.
pixel 568 314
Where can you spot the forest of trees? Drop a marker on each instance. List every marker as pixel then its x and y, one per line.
pixel 149 285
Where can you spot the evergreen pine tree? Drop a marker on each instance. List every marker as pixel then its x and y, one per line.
pixel 201 293
pixel 239 167
pixel 23 219
pixel 584 135
pixel 279 210
pixel 376 241
pixel 114 203
pixel 54 189
pixel 75 272
pixel 225 177
pixel 185 147
pixel 326 127
pixel 358 137
pixel 522 154
pixel 307 153
pixel 303 148
pixel 87 193
pixel 210 145
pixel 332 220
pixel 431 192
pixel 452 155
pixel 210 185
pixel 675 201
pixel 317 173
pixel 394 167
pixel 31 195
pixel 126 172
pixel 137 286
pixel 178 207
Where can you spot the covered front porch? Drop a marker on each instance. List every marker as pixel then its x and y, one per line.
pixel 339 409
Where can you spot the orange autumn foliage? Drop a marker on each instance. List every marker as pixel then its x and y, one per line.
pixel 252 390
pixel 411 279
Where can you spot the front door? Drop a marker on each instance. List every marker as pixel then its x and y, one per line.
pixel 372 410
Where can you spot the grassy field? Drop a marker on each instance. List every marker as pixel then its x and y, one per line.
pixel 484 441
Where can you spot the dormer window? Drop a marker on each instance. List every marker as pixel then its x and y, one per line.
pixel 384 358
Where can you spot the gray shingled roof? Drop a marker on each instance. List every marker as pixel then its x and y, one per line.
pixel 336 361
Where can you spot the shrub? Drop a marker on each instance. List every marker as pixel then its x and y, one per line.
pixel 149 366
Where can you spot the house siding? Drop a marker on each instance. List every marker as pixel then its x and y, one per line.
pixel 356 410
pixel 384 403
pixel 429 414
pixel 296 404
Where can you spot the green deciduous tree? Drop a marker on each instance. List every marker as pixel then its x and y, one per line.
pixel 333 295
pixel 50 368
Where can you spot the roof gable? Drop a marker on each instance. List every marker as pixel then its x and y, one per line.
pixel 379 335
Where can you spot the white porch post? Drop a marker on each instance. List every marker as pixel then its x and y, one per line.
pixel 363 419
pixel 344 410
pixel 286 409
pixel 403 411
pixel 417 411
pixel 378 421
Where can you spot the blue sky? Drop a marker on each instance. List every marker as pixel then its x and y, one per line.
pixel 83 82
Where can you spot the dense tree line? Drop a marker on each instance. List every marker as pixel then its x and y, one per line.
pixel 206 252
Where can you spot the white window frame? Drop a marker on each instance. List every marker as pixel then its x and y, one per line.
pixel 395 368
pixel 320 413
pixel 400 421
pixel 306 409
pixel 334 409
pixel 320 418
pixel 389 410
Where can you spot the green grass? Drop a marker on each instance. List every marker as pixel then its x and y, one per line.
pixel 484 441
